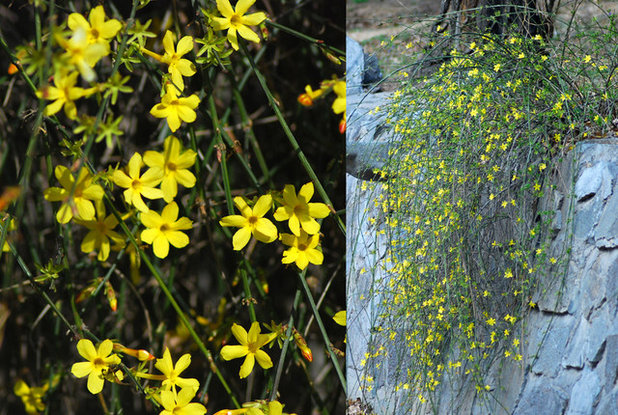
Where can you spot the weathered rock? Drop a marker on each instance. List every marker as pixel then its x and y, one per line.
pixel 540 398
pixel 608 404
pixel 355 66
pixel 584 394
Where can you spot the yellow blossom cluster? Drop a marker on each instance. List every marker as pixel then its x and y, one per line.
pixel 82 200
pixel 175 393
pixel 296 209
pixel 84 45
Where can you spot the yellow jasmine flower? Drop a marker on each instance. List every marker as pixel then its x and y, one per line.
pixel 164 229
pixel 64 93
pixel 176 109
pixel 138 186
pixel 172 378
pixel 177 67
pixel 339 103
pixel 100 233
pixel 83 54
pixel 299 212
pixel 302 249
pixel 250 344
pixel 236 21
pixel 97 29
pixel 180 404
pixel 174 162
pixel 251 222
pixel 31 397
pixel 97 365
pixel 78 203
pixel 340 317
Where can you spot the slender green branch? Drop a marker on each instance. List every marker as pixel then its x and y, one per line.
pixel 318 319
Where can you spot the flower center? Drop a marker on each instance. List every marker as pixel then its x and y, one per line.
pixel 101 228
pixel 299 209
pixel 252 348
pixel 164 227
pixel 252 220
pixel 136 184
pixel 236 20
pixel 302 247
pixel 98 363
pixel 95 33
pixel 171 166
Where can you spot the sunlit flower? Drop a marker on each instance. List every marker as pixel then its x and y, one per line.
pixel 171 372
pixel 251 222
pixel 177 66
pixel 138 186
pixel 97 365
pixel 339 103
pixel 174 162
pixel 299 212
pixel 101 231
pixel 64 93
pixel 83 54
pixel 79 203
pixel 97 29
pixel 31 397
pixel 236 21
pixel 180 404
pixel 340 317
pixel 250 344
pixel 302 249
pixel 176 109
pixel 164 229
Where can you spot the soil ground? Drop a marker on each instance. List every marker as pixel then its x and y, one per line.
pixel 391 29
pixel 373 23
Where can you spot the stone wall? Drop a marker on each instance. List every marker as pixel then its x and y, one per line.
pixel 570 358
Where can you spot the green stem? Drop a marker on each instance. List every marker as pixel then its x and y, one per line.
pixel 318 319
pixel 288 334
pixel 303 36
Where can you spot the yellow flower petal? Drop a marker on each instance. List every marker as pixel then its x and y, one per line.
pixel 233 352
pixel 247 366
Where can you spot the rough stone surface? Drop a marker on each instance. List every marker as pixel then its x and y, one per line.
pixel 355 65
pixel 609 403
pixel 584 394
pixel 540 398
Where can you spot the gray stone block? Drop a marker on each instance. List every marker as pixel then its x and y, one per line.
pixel 608 405
pixel 540 398
pixel 584 394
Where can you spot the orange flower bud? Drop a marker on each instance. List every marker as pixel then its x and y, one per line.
pixel 305 100
pixel 302 345
pixel 8 195
pixel 12 69
pixel 111 296
pixel 342 126
pixel 140 354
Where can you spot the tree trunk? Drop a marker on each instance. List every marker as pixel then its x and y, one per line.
pixel 527 17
